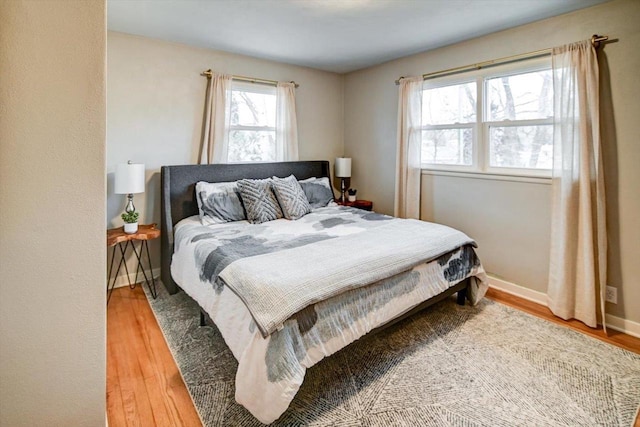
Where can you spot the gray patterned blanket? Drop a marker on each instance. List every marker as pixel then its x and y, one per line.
pixel 274 286
pixel 272 369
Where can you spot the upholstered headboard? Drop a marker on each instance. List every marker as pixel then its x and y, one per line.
pixel 178 193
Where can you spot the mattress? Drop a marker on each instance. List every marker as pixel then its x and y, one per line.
pixel 272 369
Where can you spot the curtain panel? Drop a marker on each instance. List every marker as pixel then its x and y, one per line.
pixel 409 147
pixel 217 116
pixel 578 266
pixel 286 122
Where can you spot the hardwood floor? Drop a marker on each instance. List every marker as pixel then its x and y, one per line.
pixel 144 386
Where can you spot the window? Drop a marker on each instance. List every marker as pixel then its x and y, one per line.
pixel 252 129
pixel 449 124
pixel 496 120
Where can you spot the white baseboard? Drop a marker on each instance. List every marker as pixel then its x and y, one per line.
pixel 517 290
pixel 614 322
pixel 122 280
pixel 629 327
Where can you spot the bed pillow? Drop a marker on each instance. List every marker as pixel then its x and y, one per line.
pixel 292 199
pixel 219 202
pixel 318 191
pixel 259 201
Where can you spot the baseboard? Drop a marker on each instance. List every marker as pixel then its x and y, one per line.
pixel 629 327
pixel 614 322
pixel 517 290
pixel 122 280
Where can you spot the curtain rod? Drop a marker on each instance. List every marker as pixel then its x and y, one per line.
pixel 595 41
pixel 208 73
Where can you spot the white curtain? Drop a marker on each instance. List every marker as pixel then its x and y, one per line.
pixel 578 267
pixel 217 116
pixel 408 157
pixel 286 123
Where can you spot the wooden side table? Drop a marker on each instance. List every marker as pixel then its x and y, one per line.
pixel 366 205
pixel 117 238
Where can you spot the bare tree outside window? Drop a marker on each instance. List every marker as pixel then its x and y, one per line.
pixel 448 117
pixel 520 116
pixel 514 130
pixel 252 132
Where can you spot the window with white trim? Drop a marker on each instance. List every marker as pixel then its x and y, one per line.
pixel 252 127
pixel 497 120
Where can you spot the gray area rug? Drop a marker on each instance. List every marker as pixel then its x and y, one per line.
pixel 488 365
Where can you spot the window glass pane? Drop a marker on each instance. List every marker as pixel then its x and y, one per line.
pixel 252 146
pixel 449 104
pixel 521 147
pixel 447 146
pixel 253 109
pixel 520 97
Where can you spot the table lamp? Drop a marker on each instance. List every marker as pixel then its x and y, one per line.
pixel 129 180
pixel 343 170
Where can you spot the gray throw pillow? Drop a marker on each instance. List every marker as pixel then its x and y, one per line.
pixel 259 201
pixel 318 191
pixel 219 202
pixel 292 199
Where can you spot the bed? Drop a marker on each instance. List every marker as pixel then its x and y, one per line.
pixel 285 294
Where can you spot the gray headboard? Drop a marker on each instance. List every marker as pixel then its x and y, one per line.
pixel 178 193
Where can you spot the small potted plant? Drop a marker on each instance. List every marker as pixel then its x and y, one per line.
pixel 352 194
pixel 130 222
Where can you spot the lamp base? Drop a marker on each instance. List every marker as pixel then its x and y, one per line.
pixel 342 190
pixel 130 207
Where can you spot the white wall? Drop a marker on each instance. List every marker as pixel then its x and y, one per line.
pixel 155 107
pixel 52 200
pixel 511 220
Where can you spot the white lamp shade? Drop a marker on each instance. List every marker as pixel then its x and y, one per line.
pixel 343 167
pixel 129 178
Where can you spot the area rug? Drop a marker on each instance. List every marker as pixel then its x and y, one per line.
pixel 488 365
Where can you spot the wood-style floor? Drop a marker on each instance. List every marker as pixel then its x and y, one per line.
pixel 144 386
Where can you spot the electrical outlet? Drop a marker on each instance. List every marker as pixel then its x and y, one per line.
pixel 611 295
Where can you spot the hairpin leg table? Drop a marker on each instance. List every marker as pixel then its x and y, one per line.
pixel 118 239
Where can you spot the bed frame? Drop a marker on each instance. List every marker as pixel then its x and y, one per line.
pixel 178 202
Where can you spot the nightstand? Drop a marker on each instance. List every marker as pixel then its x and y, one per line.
pixel 117 238
pixel 366 205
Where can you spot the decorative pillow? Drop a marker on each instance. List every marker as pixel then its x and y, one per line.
pixel 292 199
pixel 318 191
pixel 219 202
pixel 259 200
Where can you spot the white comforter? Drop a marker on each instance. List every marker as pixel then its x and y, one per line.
pixel 271 370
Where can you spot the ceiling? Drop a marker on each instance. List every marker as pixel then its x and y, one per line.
pixel 331 35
